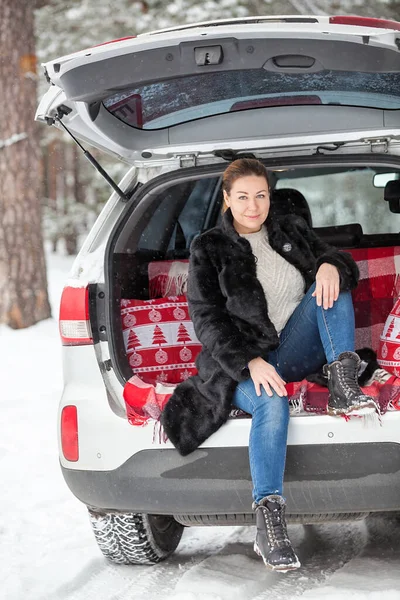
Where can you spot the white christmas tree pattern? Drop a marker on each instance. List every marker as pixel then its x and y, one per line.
pixel 183 336
pixel 133 341
pixel 158 338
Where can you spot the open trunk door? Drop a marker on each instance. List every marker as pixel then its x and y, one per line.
pixel 254 83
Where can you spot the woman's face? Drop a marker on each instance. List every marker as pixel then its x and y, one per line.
pixel 249 203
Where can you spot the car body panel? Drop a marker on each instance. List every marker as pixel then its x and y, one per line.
pixel 107 440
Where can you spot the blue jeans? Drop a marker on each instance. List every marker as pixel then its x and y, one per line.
pixel 311 337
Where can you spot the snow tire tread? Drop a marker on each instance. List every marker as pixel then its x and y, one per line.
pixel 127 538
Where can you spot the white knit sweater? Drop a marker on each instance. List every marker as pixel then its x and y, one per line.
pixel 282 283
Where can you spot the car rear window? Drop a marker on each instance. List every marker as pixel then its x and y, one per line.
pixel 182 99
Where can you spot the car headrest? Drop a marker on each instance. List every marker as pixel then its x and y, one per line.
pixel 290 201
pixel 392 190
pixel 342 236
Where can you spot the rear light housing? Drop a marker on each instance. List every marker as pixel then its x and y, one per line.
pixel 74 317
pixel 69 433
pixel 364 22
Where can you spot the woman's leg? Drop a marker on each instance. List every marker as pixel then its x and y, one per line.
pixel 313 336
pixel 268 437
pixel 267 452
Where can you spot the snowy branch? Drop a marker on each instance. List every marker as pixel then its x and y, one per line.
pixel 17 137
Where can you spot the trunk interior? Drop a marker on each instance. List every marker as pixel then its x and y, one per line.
pixel 347 201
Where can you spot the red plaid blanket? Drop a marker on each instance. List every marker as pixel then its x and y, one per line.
pixel 377 291
pixel 145 401
pixel 373 299
pixel 167 278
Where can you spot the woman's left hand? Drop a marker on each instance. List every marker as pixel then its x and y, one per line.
pixel 326 285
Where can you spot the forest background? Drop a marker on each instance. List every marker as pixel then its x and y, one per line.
pixel 48 191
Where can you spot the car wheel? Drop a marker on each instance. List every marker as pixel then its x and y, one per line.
pixel 135 538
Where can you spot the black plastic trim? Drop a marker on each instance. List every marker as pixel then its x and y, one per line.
pixel 324 478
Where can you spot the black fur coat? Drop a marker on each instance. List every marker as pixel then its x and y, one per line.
pixel 230 316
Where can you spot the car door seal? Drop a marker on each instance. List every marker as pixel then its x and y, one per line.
pixel 335 146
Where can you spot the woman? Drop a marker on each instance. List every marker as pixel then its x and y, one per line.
pixel 270 303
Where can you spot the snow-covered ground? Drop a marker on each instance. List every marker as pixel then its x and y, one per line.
pixel 47 551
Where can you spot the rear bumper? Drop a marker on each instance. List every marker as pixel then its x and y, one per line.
pixel 319 478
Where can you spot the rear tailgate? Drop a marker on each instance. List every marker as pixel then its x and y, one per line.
pixel 151 96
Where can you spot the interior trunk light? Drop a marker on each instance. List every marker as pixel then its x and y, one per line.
pixel 69 433
pixel 74 317
pixel 364 22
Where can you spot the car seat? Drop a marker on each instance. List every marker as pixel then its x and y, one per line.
pixel 288 201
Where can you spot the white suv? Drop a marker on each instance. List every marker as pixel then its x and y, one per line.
pixel 317 99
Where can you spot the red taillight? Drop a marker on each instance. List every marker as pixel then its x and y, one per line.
pixel 69 433
pixel 74 317
pixel 128 37
pixel 364 22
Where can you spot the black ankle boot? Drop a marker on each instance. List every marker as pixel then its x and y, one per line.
pixel 272 542
pixel 345 395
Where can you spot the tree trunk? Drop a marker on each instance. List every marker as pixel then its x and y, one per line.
pixel 23 284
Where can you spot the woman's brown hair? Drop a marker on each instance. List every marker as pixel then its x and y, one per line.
pixel 242 167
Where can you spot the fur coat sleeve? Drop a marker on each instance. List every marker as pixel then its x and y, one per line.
pixel 325 253
pixel 212 322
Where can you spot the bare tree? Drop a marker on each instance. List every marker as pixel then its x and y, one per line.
pixel 23 285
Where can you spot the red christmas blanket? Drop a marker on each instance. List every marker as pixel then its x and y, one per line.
pixel 145 401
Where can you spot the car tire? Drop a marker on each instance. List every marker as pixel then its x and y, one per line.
pixel 135 538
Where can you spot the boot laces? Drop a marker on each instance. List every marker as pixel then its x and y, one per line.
pixel 348 378
pixel 274 517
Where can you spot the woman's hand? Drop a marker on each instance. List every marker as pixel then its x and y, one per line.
pixel 264 374
pixel 326 285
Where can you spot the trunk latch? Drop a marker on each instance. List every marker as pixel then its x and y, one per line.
pixel 208 55
pixel 187 160
pixel 378 145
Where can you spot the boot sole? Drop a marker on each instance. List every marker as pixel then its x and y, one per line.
pixel 279 568
pixel 361 410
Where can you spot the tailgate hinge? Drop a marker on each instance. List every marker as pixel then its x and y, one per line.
pixel 187 160
pixel 378 145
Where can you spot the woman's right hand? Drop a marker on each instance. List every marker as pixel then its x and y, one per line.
pixel 264 374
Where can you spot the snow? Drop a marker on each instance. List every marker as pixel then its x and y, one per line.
pixel 47 551
pixel 16 137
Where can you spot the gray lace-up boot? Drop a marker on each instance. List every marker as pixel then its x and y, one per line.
pixel 272 542
pixel 345 395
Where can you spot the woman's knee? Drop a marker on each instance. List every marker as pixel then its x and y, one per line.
pixel 275 405
pixel 247 399
pixel 344 305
